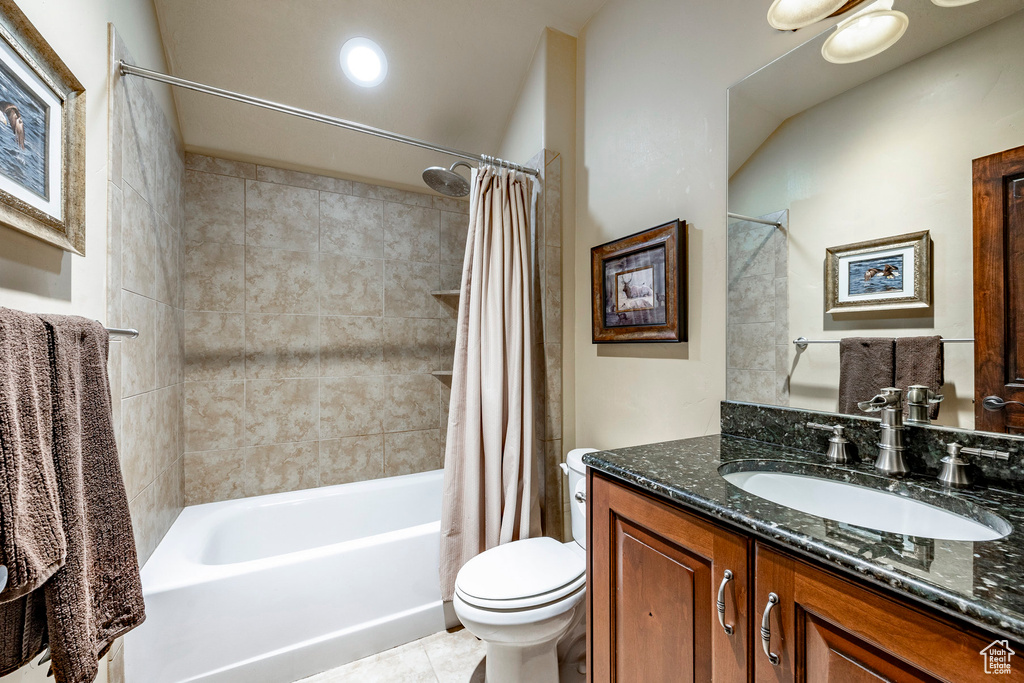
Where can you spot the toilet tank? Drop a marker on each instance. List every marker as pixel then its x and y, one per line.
pixel 577 472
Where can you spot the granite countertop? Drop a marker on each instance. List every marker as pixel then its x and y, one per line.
pixel 981 582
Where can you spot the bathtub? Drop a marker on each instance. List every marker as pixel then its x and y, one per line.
pixel 275 588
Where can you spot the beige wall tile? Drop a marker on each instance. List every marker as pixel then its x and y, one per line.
pixel 214 346
pixel 410 452
pixel 354 458
pixel 410 345
pixel 353 226
pixel 281 217
pixel 155 509
pixel 281 467
pixel 454 228
pixel 451 277
pixel 451 204
pixel 351 406
pixel 280 411
pixel 407 288
pixel 214 475
pixel 281 176
pixel 553 391
pixel 165 430
pixel 351 285
pixel 169 256
pixel 214 277
pixel 238 169
pixel 553 203
pixel 214 208
pixel 411 402
pixel 115 210
pixel 391 194
pixel 214 415
pixel 139 243
pixel 411 233
pixel 552 294
pixel 138 370
pixel 139 447
pixel 281 346
pixel 351 346
pixel 167 333
pixel 446 351
pixel 279 281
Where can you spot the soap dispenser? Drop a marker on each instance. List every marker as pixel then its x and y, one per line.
pixel 955 468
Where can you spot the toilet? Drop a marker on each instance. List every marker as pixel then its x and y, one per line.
pixel 525 599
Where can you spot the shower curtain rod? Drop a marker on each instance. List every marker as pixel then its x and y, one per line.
pixel 132 70
pixel 751 219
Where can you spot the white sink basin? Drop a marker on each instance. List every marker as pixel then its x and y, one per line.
pixel 863 506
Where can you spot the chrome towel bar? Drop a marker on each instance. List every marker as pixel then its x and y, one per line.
pixel 802 342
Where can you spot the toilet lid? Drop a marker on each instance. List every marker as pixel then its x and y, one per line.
pixel 531 571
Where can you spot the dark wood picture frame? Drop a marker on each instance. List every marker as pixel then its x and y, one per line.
pixel 660 301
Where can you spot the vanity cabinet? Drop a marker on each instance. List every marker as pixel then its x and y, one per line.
pixel 654 576
pixel 654 573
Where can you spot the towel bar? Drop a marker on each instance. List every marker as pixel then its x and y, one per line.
pixel 802 342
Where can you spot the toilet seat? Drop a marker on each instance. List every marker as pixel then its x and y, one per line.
pixel 522 575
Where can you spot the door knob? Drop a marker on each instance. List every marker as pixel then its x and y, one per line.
pixel 994 403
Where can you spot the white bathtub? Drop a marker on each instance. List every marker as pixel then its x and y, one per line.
pixel 275 588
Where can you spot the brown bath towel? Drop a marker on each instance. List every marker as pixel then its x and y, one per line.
pixel 866 365
pixel 32 544
pixel 97 595
pixel 919 360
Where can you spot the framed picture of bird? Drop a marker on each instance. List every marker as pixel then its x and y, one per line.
pixel 42 137
pixel 886 274
pixel 638 286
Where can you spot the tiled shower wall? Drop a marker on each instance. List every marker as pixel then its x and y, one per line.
pixel 145 219
pixel 759 346
pixel 310 329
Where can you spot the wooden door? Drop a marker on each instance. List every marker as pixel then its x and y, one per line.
pixel 999 290
pixel 825 629
pixel 654 575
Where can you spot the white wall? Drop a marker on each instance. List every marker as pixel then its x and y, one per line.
pixel 35 276
pixel 651 147
pixel 890 157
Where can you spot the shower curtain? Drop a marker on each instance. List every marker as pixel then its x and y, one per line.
pixel 491 466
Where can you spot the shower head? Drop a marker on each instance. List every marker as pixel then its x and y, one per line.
pixel 446 180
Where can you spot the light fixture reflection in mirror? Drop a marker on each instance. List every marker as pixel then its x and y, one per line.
pixel 865 34
pixel 790 15
pixel 953 3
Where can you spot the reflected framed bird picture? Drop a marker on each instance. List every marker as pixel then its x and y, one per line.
pixel 887 274
pixel 638 286
pixel 42 137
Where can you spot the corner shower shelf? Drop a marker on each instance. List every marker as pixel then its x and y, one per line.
pixel 442 373
pixel 446 292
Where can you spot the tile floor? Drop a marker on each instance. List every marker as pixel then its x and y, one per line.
pixel 440 658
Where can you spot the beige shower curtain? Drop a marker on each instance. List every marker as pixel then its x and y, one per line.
pixel 490 471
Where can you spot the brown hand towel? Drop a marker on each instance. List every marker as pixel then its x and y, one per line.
pixel 97 595
pixel 32 544
pixel 866 365
pixel 919 360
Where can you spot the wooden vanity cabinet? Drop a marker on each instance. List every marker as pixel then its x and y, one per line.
pixel 653 581
pixel 654 572
pixel 826 628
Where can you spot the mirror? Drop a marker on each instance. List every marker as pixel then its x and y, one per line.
pixel 842 154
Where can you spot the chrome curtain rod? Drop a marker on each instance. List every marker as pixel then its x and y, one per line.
pixel 751 219
pixel 132 70
pixel 801 342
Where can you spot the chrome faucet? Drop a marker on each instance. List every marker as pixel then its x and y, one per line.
pixel 838 447
pixel 890 442
pixel 920 400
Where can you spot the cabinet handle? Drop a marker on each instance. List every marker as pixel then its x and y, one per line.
pixel 766 629
pixel 726 578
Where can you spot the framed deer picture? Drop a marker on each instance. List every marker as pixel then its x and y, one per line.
pixel 638 286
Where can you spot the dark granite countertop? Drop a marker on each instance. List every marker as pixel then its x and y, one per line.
pixel 980 582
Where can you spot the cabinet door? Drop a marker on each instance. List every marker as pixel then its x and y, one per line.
pixel 825 629
pixel 654 576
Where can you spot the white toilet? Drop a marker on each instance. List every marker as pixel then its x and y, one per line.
pixel 524 597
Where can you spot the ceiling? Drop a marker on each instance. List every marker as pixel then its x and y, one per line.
pixel 797 81
pixel 455 68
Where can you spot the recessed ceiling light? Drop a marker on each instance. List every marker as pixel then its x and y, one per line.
pixel 865 34
pixel 364 62
pixel 790 15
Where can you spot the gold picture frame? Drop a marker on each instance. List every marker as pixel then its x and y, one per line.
pixel 891 273
pixel 42 137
